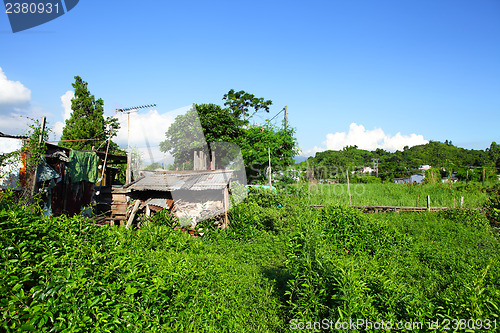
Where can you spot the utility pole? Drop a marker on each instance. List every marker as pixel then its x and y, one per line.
pixel 375 165
pixel 286 116
pixel 128 111
pixel 484 174
pixel 269 169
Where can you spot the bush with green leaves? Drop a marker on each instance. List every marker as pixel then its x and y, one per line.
pixel 492 206
pixel 271 266
pixel 468 217
pixel 392 267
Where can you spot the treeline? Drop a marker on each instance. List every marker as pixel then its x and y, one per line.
pixel 463 163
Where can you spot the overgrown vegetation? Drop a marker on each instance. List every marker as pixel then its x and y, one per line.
pixel 442 195
pixel 280 263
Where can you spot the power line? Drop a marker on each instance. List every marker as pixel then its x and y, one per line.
pixel 71 140
pixel 277 114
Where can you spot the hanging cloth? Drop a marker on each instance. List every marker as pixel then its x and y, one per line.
pixel 45 172
pixel 82 165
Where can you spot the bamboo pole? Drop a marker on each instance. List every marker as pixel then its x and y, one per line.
pixel 428 203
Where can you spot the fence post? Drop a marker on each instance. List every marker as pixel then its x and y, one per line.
pixel 428 203
pixel 417 201
pixel 462 202
pixel 348 188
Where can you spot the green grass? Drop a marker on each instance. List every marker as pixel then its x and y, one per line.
pixel 442 195
pixel 274 267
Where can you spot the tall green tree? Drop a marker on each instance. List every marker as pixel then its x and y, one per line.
pixel 87 121
pixel 201 125
pixel 494 152
pixel 240 103
pixel 183 137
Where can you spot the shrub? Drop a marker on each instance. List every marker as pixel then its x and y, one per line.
pixel 493 205
pixel 468 217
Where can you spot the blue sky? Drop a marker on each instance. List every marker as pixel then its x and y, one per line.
pixel 351 72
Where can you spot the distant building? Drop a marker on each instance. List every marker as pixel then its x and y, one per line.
pixel 366 170
pixel 424 167
pixel 417 178
pixel 453 178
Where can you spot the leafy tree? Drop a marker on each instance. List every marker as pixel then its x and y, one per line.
pixel 255 149
pixel 87 121
pixel 240 102
pixel 218 124
pixel 494 152
pixel 183 137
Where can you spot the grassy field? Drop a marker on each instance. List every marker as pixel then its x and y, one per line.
pixel 442 195
pixel 278 268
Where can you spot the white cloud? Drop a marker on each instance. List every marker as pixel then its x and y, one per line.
pixel 311 152
pixel 57 129
pixel 371 139
pixel 15 101
pixel 146 130
pixel 13 93
pixel 66 103
pixel 13 124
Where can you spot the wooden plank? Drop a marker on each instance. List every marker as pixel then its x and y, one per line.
pixel 388 208
pixel 119 197
pixel 119 190
pixel 119 207
pixel 132 215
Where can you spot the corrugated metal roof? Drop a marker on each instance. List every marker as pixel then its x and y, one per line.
pixel 159 203
pixel 2 135
pixel 172 181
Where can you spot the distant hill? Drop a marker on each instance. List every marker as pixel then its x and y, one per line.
pixel 299 159
pixel 401 163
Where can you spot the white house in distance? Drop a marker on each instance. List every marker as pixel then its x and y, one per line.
pixel 424 168
pixel 366 170
pixel 417 178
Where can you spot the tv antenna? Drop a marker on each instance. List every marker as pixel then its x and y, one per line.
pixel 128 111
